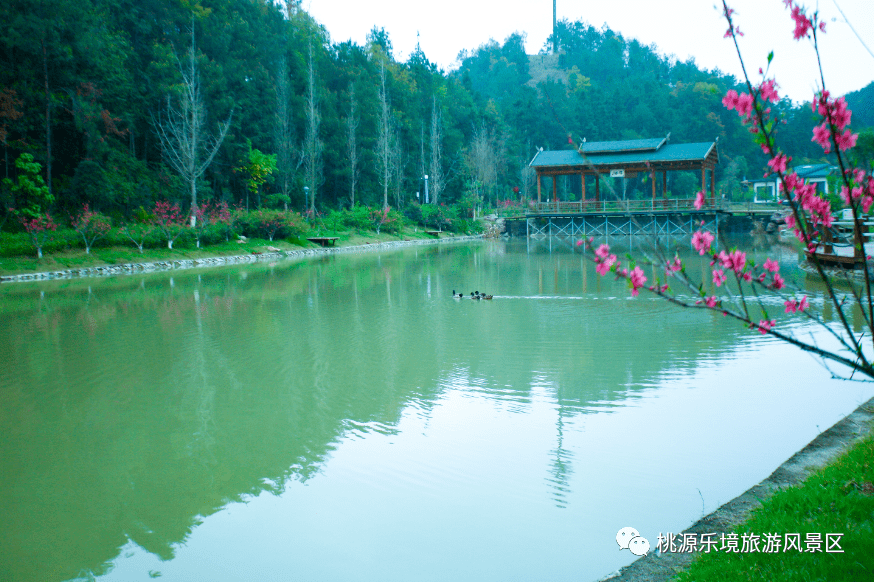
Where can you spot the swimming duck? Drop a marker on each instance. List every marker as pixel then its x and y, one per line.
pixel 486 296
pixel 457 295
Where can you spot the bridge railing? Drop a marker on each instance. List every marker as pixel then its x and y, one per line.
pixel 621 205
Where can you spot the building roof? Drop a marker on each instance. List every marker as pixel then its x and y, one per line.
pixel 809 172
pixel 621 153
pixel 629 145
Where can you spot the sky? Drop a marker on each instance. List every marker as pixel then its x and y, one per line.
pixel 682 28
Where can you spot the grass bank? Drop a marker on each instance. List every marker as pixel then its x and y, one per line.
pixel 837 499
pixel 77 258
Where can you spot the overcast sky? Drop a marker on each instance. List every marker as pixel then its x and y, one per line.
pixel 683 28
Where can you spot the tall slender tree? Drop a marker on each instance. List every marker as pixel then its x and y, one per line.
pixel 352 144
pixel 436 177
pixel 288 158
pixel 384 138
pixel 187 146
pixel 313 144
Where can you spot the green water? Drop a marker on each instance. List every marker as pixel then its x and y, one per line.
pixel 344 418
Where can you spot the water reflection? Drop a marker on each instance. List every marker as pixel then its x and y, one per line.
pixel 334 416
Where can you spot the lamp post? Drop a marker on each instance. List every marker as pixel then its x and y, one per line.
pixel 426 188
pixel 306 194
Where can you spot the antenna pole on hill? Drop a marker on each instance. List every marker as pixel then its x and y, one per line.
pixel 554 38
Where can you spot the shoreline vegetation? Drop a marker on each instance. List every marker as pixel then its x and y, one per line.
pixel 825 488
pixel 241 237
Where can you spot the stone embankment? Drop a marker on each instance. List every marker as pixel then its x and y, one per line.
pixel 176 264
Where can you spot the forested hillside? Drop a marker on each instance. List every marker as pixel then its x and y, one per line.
pixel 88 86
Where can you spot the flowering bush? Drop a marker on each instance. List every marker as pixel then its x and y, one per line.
pixel 810 213
pixel 91 226
pixel 169 220
pixel 39 229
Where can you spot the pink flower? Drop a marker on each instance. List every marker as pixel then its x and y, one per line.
pixel 778 283
pixel 778 163
pixel 580 243
pixel 718 277
pixel 821 136
pixel 765 326
pixel 748 277
pixel 744 104
pixel 803 305
pixel 866 203
pixel 603 251
pixel 637 280
pixel 699 199
pixel 791 305
pixel 771 265
pixel 702 240
pixel 802 23
pixel 711 301
pixel 846 140
pixel 730 99
pixel 768 91
pixel 604 263
pixel 673 266
pixel 737 261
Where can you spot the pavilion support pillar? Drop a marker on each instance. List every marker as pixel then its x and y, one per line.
pixel 555 190
pixel 583 189
pixel 538 187
pixel 703 175
pixel 652 176
pixel 597 187
pixel 664 183
pixel 712 189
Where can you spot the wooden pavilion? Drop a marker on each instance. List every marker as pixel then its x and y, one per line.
pixel 625 159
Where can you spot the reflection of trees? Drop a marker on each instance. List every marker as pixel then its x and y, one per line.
pixel 184 398
pixel 561 468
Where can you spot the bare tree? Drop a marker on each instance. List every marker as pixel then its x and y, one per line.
pixel 288 155
pixel 481 160
pixel 384 138
pixel 313 145
pixel 436 176
pixel 352 145
pixel 185 143
pixel 398 164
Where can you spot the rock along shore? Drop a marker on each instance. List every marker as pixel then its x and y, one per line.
pixel 177 264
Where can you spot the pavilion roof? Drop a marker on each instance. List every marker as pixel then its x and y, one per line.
pixel 625 153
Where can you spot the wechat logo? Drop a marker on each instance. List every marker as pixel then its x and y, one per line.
pixel 630 539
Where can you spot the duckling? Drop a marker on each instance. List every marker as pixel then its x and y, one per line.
pixel 472 296
pixel 487 296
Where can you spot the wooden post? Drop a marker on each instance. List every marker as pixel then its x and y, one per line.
pixel 652 175
pixel 554 191
pixel 583 190
pixel 703 175
pixel 597 188
pixel 712 190
pixel 664 183
pixel 538 187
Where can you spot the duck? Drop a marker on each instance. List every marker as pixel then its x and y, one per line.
pixel 474 296
pixel 484 296
pixel 457 295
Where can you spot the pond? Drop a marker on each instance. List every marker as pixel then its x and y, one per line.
pixel 345 418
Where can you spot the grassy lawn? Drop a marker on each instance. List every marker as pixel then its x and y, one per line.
pixel 838 498
pixel 118 255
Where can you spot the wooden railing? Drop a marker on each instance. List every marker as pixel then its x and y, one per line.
pixel 622 205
